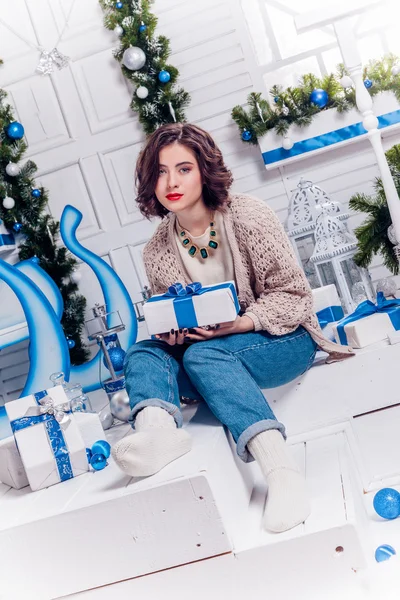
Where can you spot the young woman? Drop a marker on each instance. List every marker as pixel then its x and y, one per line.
pixel 181 177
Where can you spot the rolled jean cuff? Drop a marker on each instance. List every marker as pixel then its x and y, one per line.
pixel 168 406
pixel 253 430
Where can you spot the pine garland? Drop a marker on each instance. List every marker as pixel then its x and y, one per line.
pixel 372 235
pixel 292 106
pixel 39 232
pixel 165 100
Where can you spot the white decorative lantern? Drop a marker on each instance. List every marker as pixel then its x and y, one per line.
pixel 306 204
pixel 333 258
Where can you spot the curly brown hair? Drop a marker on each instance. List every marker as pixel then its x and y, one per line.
pixel 216 177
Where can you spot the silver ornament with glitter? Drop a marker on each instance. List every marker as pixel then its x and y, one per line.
pixel 119 405
pixel 142 92
pixel 285 110
pixel 119 31
pixel 13 169
pixel 346 82
pixel 50 59
pixel 134 58
pixel 387 286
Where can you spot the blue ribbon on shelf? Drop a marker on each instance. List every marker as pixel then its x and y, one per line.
pixel 330 314
pixel 328 139
pixel 368 308
pixel 54 434
pixel 7 239
pixel 183 300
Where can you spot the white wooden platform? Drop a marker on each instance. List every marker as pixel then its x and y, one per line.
pixel 195 527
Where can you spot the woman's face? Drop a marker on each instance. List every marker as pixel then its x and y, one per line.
pixel 179 184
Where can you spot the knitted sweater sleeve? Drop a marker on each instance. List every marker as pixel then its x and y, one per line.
pixel 283 295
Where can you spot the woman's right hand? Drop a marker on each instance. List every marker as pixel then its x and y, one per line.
pixel 173 337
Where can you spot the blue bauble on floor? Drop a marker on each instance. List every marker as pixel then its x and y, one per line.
pixel 387 503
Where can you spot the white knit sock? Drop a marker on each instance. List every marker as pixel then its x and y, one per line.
pixel 287 502
pixel 156 443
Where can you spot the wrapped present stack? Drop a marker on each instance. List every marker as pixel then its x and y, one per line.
pixel 51 443
pixel 191 306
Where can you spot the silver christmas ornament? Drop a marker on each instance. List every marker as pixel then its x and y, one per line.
pixel 387 286
pixel 346 81
pixel 134 58
pixel 395 69
pixel 171 110
pixel 8 203
pixel 260 112
pixel 13 169
pixel 285 111
pixel 119 405
pixel 118 30
pixel 142 92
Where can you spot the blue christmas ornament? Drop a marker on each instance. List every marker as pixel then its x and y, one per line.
pixel 384 552
pixel 36 193
pixel 276 99
pixel 98 462
pixel 142 28
pixel 117 356
pixel 387 503
pixel 15 130
pixel 164 76
pixel 17 227
pixel 35 259
pixel 319 97
pixel 368 83
pixel 119 5
pixel 71 343
pixel 101 447
pixel 246 135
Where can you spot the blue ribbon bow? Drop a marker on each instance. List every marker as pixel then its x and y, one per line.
pixel 54 433
pixel 330 314
pixel 183 300
pixel 367 308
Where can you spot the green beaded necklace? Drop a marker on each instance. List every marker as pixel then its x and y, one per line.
pixel 192 249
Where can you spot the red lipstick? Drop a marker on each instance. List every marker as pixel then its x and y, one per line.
pixel 174 197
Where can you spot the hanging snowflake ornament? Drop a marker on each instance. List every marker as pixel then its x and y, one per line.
pixel 50 59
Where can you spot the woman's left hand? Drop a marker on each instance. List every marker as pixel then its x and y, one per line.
pixel 239 325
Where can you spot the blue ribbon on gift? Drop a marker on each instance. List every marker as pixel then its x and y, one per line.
pixel 367 308
pixel 330 314
pixel 54 434
pixel 183 300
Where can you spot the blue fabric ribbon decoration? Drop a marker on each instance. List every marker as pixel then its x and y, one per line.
pixel 367 308
pixel 330 314
pixel 54 434
pixel 183 300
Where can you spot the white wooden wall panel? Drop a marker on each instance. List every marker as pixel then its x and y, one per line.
pixel 85 139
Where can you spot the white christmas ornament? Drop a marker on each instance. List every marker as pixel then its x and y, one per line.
pixel 346 81
pixel 395 69
pixel 75 276
pixel 118 30
pixel 8 202
pixel 13 169
pixel 142 92
pixel 119 405
pixel 287 143
pixel 134 58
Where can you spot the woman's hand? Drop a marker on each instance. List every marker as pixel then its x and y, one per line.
pixel 173 337
pixel 239 325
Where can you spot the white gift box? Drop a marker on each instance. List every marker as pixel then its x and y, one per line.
pixel 12 471
pixel 366 331
pixel 327 297
pixel 50 451
pixel 219 304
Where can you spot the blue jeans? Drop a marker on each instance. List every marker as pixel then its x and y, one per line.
pixel 226 372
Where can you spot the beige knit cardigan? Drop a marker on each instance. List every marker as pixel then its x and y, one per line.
pixel 272 288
